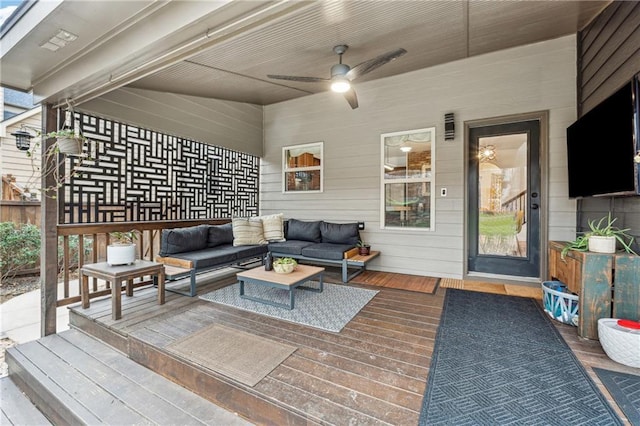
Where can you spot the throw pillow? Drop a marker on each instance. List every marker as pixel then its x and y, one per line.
pixel 247 231
pixel 273 227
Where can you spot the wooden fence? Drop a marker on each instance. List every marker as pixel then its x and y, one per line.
pixel 20 212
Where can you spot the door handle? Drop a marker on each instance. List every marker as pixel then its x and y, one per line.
pixel 534 206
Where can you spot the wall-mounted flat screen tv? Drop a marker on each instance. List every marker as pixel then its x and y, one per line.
pixel 601 146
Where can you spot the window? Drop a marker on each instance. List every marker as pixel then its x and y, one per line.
pixel 407 179
pixel 302 168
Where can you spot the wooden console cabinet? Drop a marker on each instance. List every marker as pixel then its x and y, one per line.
pixel 590 275
pixel 608 285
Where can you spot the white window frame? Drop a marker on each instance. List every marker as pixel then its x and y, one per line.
pixel 423 178
pixel 286 169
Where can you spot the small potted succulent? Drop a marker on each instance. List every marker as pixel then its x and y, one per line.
pixel 601 238
pixel 284 265
pixel 121 250
pixel 364 249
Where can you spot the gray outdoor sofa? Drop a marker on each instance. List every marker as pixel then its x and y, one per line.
pixel 202 248
pixel 323 243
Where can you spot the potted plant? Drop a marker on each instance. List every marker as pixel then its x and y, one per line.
pixel 68 141
pixel 284 265
pixel 364 249
pixel 121 250
pixel 601 238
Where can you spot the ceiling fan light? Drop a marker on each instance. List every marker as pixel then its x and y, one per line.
pixel 340 85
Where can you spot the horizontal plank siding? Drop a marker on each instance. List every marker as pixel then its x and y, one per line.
pixel 536 77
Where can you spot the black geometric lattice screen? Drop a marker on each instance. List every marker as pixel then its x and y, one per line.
pixel 137 174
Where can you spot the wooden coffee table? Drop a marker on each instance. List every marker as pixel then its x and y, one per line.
pixel 290 282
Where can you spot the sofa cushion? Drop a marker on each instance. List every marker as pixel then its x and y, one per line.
pixel 221 255
pixel 251 251
pixel 180 240
pixel 220 234
pixel 247 231
pixel 293 247
pixel 328 251
pixel 340 233
pixel 273 227
pixel 303 230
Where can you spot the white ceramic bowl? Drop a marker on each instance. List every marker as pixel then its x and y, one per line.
pixel 284 268
pixel 621 344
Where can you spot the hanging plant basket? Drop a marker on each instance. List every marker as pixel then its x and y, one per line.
pixel 70 145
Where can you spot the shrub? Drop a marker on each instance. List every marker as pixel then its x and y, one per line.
pixel 19 248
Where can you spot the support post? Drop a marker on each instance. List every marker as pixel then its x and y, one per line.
pixel 49 232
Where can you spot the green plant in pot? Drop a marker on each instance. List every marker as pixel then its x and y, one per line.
pixel 364 249
pixel 602 238
pixel 121 250
pixel 68 141
pixel 284 265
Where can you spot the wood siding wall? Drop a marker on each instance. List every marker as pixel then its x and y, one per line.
pixel 233 125
pixel 531 78
pixel 609 56
pixel 15 162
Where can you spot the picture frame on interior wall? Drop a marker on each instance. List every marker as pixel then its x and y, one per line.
pixel 302 168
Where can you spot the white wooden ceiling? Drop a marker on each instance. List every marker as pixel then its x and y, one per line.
pixel 297 40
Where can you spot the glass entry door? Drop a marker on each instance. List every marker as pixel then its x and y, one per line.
pixel 504 199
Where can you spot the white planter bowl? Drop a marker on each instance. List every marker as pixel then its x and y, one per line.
pixel 121 254
pixel 284 268
pixel 600 244
pixel 621 344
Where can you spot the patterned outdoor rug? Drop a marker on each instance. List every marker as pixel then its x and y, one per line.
pixel 242 356
pixel 398 281
pixel 499 360
pixel 330 310
pixel 625 390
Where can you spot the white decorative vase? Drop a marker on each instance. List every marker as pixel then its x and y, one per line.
pixel 599 244
pixel 121 254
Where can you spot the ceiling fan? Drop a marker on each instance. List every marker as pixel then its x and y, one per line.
pixel 343 74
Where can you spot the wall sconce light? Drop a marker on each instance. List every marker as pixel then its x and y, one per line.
pixel 449 127
pixel 487 153
pixel 637 157
pixel 23 139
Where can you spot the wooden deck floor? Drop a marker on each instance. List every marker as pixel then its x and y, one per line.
pixel 374 371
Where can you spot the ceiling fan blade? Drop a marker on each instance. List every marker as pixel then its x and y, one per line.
pixel 350 96
pixel 372 64
pixel 302 79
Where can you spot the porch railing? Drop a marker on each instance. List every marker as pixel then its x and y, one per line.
pixel 87 243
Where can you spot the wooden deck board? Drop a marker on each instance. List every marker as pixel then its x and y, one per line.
pixel 16 408
pixel 374 371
